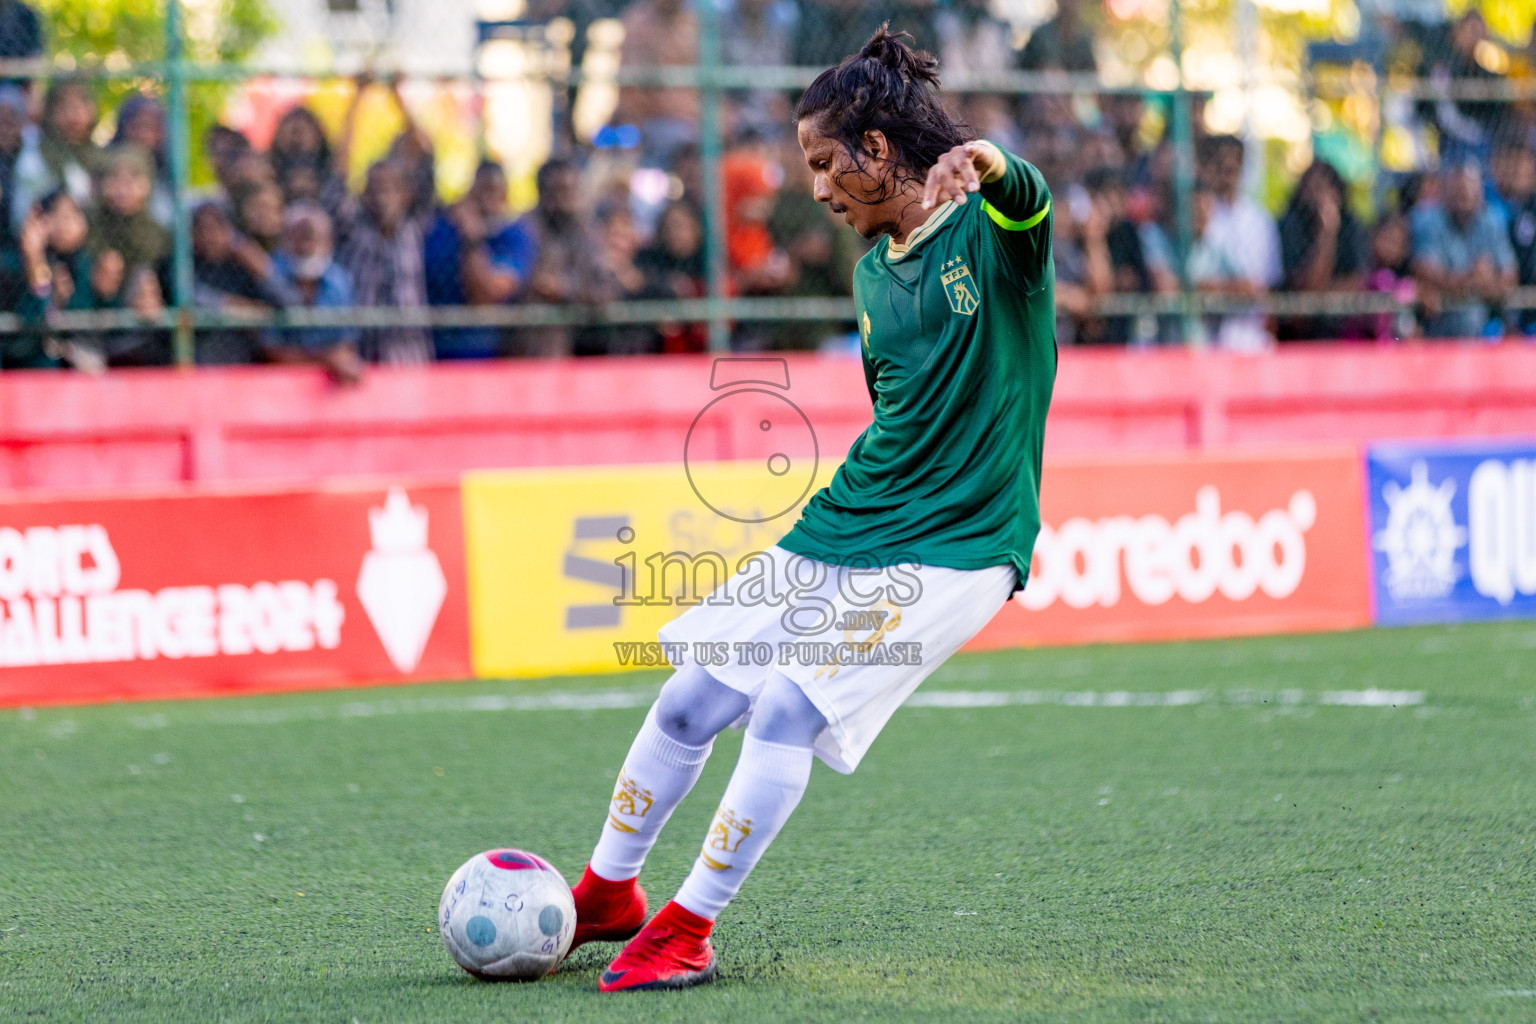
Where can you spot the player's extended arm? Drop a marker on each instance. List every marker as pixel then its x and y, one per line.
pixel 1013 192
pixel 1010 186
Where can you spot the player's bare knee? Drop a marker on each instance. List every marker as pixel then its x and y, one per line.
pixel 679 719
pixel 693 707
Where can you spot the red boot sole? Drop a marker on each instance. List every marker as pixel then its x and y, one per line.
pixel 687 979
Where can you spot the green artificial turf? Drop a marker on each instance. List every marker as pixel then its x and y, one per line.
pixel 1252 852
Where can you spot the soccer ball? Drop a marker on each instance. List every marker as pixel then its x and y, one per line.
pixel 507 915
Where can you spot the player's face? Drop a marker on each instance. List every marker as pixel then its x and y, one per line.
pixel 835 173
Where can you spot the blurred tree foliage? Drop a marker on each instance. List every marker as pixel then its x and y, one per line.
pixel 115 34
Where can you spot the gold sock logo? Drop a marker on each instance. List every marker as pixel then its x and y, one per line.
pixel 629 800
pixel 725 835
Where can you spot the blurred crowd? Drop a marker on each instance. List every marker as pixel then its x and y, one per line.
pixel 89 206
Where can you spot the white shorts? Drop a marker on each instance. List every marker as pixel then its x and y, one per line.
pixel 856 641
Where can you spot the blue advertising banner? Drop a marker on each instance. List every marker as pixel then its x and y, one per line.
pixel 1452 531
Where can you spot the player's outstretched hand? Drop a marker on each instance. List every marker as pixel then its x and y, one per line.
pixel 956 173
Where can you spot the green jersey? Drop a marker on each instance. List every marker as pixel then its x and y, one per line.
pixel 959 347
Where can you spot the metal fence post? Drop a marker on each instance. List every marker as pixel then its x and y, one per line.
pixel 709 156
pixel 178 128
pixel 1183 178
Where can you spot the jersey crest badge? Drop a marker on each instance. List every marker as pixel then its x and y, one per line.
pixel 960 288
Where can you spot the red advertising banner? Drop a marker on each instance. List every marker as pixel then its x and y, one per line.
pixel 179 596
pixel 1193 546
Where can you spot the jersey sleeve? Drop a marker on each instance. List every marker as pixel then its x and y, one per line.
pixel 1017 203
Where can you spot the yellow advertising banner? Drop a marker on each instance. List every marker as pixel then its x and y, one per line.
pixel 565 564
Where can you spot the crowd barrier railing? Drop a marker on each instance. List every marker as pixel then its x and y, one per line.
pixel 165 428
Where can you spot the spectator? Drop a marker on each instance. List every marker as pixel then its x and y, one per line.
pixel 21 36
pixel 61 153
pixel 1241 233
pixel 53 244
pixel 991 117
pixel 1054 150
pixel 674 261
pixel 13 125
pixel 755 264
pixel 140 290
pixel 1124 114
pixel 829 31
pixel 1514 176
pixel 121 220
pixel 1462 259
pixel 228 151
pixel 70 269
pixel 257 208
pixel 1322 248
pixel 1064 43
pixel 622 279
pixel 821 255
pixel 1216 268
pixel 1390 273
pixel 970 36
pixel 567 267
pixel 659 33
pixel 14 122
pixel 306 262
pixel 1099 148
pixel 55 268
pixel 620 246
pixel 383 255
pixel 1464 126
pixel 750 183
pixel 1511 173
pixel 231 274
pixel 474 256
pixel 304 163
pixel 1131 271
pixel 237 166
pixel 673 265
pixel 1074 291
pixel 759 33
pixel 141 123
pixel 411 152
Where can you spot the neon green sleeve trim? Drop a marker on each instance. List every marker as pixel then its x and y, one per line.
pixel 1008 224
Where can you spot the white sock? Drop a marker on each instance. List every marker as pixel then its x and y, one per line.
pixel 657 774
pixel 765 788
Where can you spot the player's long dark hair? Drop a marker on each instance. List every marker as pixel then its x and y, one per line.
pixel 891 88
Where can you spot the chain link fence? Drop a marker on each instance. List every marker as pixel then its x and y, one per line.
pixel 398 181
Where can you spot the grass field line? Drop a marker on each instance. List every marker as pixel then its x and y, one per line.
pixel 1163 698
pixel 641 696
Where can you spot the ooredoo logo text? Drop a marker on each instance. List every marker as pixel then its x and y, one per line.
pixel 1205 552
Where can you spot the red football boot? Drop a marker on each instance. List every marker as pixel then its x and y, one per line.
pixel 607 911
pixel 672 951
